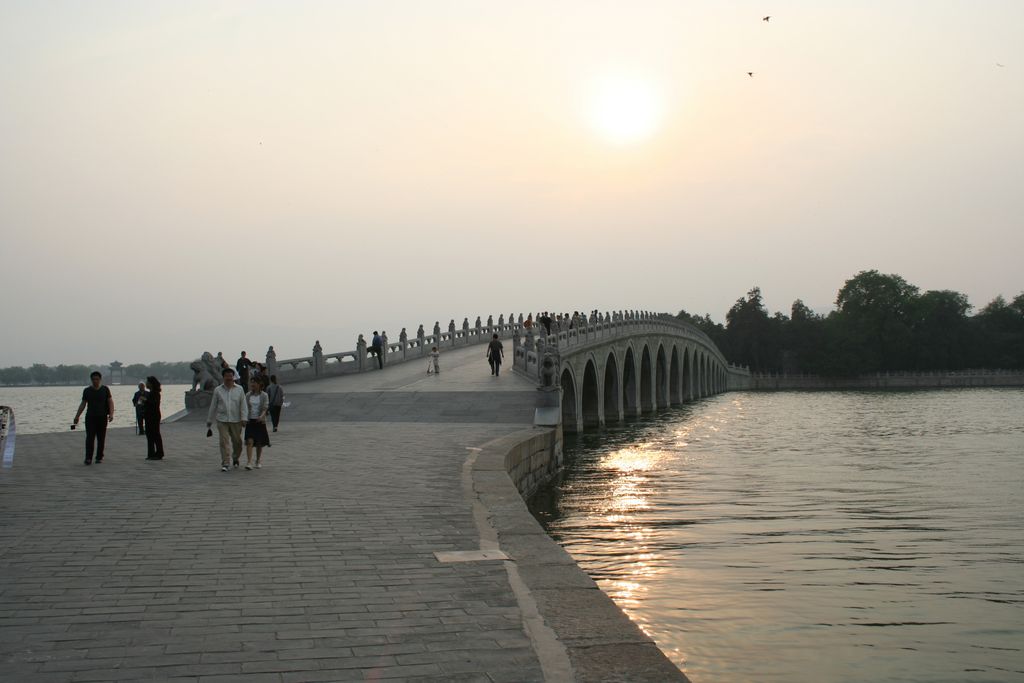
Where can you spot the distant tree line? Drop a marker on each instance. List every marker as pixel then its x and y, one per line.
pixel 39 374
pixel 881 323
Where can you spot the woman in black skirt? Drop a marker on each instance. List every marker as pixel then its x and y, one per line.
pixel 151 416
pixel 256 427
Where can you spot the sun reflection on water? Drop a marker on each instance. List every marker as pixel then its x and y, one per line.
pixel 749 535
pixel 627 501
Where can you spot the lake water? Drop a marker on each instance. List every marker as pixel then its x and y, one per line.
pixel 811 536
pixel 51 409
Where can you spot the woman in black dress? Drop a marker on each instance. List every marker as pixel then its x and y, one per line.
pixel 151 413
pixel 256 428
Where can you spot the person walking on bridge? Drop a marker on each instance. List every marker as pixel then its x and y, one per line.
pixel 100 403
pixel 495 354
pixel 229 409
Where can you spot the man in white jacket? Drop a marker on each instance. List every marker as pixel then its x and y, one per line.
pixel 229 409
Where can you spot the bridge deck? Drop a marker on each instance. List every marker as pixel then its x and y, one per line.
pixel 318 567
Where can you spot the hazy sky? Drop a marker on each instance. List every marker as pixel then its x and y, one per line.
pixel 186 176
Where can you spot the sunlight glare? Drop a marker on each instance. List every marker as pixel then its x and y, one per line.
pixel 624 110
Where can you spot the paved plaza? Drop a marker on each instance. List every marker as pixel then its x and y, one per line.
pixel 320 566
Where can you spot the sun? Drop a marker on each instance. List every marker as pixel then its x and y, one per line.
pixel 624 110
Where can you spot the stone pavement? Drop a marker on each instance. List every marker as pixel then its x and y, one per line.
pixel 464 369
pixel 318 567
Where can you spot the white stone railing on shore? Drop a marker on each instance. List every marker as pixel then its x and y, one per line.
pixel 890 380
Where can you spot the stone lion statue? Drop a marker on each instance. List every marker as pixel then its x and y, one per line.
pixel 548 370
pixel 205 373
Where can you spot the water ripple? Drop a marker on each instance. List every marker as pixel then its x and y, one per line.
pixel 812 537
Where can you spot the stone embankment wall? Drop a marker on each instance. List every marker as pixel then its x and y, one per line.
pixel 601 642
pixel 737 379
pixel 993 378
pixel 534 461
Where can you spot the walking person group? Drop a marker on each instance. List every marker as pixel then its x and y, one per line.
pixel 241 416
pixel 240 405
pixel 98 404
pixel 236 413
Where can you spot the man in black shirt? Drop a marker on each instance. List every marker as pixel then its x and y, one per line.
pixel 545 320
pixel 100 404
pixel 495 354
pixel 243 365
pixel 139 401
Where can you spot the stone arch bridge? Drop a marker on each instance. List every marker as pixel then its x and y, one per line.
pixel 624 366
pixel 601 369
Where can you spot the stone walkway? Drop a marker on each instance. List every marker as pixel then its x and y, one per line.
pixel 318 567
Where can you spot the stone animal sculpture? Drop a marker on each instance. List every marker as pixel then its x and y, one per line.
pixel 205 373
pixel 548 371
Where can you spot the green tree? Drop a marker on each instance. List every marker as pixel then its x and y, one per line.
pixel 63 374
pixel 942 332
pixel 999 329
pixel 876 313
pixel 41 374
pixel 749 333
pixel 716 331
pixel 136 370
pixel 15 375
pixel 804 340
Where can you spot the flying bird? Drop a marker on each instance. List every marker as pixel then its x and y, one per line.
pixel 766 18
pixel 750 73
pixel 998 64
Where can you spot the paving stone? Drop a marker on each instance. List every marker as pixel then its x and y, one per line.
pixel 329 675
pixel 318 567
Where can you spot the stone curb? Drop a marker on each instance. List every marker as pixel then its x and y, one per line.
pixel 602 643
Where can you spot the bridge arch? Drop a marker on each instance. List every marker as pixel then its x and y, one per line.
pixel 590 398
pixel 675 394
pixel 696 375
pixel 630 388
pixel 687 374
pixel 661 379
pixel 570 411
pixel 646 381
pixel 612 394
pixel 626 364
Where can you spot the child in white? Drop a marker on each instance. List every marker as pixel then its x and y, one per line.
pixel 434 355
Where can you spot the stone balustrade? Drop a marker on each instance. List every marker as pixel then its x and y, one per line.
pixel 528 345
pixel 531 343
pixel 529 354
pixel 407 348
